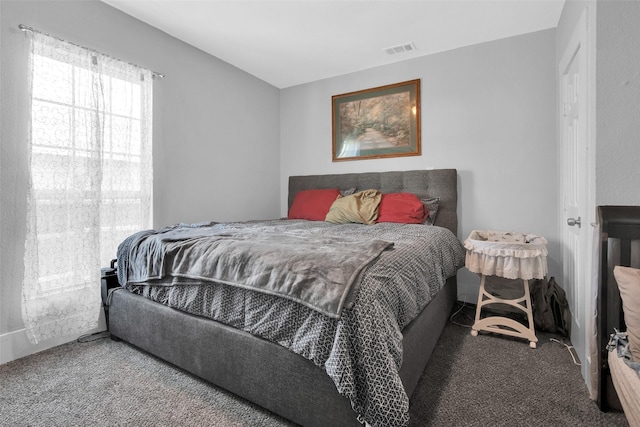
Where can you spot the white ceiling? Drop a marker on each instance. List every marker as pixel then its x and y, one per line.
pixel 291 42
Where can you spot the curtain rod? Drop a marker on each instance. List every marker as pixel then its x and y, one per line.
pixel 22 27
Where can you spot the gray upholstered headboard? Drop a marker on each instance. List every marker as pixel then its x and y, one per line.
pixel 442 183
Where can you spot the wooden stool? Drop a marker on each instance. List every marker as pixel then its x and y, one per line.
pixel 497 324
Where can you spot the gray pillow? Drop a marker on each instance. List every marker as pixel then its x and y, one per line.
pixel 431 205
pixel 348 192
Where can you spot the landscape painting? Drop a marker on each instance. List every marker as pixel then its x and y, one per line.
pixel 377 123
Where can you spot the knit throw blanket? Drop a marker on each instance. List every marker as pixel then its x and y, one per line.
pixel 316 270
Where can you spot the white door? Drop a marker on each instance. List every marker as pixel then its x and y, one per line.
pixel 576 218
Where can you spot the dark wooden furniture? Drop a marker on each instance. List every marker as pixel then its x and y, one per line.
pixel 619 226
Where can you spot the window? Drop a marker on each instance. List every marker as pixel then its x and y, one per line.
pixel 91 179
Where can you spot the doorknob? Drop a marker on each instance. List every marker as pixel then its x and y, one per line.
pixel 573 221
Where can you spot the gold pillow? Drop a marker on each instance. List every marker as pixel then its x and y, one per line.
pixel 629 285
pixel 361 207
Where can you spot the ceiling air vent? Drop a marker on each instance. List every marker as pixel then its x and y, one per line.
pixel 407 47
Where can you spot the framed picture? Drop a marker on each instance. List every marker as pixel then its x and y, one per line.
pixel 376 123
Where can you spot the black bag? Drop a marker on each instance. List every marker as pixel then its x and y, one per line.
pixel 550 307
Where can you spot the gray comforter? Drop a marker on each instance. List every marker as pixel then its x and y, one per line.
pixel 362 350
pixel 313 269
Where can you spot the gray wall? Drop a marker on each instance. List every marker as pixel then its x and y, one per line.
pixel 488 110
pixel 216 128
pixel 618 103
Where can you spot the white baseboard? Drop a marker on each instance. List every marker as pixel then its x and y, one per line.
pixel 15 345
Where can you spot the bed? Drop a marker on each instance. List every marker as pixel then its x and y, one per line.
pixel 618 382
pixel 294 364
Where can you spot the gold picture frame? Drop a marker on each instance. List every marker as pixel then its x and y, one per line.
pixel 377 123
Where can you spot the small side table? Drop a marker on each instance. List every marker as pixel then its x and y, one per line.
pixel 511 255
pixel 108 281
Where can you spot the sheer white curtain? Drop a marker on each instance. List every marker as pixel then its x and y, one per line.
pixel 90 181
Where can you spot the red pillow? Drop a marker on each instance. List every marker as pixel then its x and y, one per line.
pixel 405 208
pixel 313 205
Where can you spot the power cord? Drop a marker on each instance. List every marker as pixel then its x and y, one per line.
pixel 569 348
pixel 451 319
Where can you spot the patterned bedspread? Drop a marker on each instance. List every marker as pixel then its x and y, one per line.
pixel 362 350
